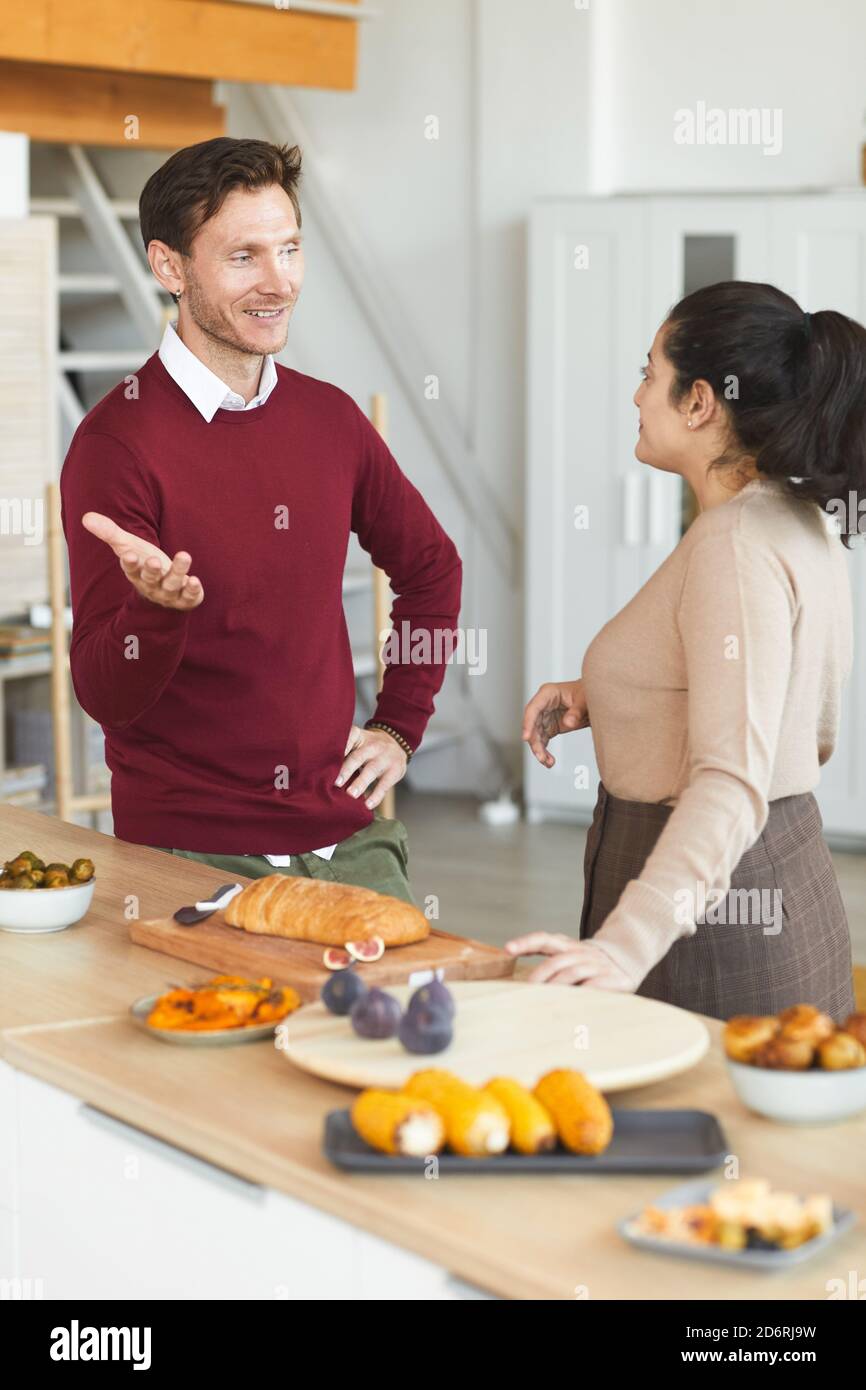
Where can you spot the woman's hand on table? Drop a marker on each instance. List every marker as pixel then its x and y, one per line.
pixel 149 570
pixel 371 756
pixel 557 707
pixel 571 962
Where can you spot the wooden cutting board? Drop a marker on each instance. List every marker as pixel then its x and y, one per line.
pixel 512 1028
pixel 231 951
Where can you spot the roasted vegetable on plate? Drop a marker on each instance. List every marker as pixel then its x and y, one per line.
pixel 227 1008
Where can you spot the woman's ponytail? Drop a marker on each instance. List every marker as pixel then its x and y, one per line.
pixel 794 385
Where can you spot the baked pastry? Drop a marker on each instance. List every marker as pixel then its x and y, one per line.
pixel 805 1023
pixel 855 1024
pixel 532 1129
pixel 745 1033
pixel 741 1215
pixel 476 1124
pixel 304 909
pixel 580 1113
pixel 398 1124
pixel 785 1054
pixel 841 1052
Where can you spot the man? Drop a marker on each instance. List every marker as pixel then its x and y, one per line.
pixel 207 506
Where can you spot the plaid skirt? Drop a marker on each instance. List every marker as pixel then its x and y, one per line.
pixel 790 945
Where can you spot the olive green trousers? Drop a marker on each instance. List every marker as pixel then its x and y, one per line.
pixel 376 857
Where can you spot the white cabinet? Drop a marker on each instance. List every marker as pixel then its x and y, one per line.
pixel 603 274
pixel 8 1139
pixel 106 1211
pixel 11 1286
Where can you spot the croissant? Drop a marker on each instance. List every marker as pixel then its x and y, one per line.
pixel 305 909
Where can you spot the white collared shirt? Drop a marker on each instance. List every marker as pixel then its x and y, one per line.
pixel 209 394
pixel 204 388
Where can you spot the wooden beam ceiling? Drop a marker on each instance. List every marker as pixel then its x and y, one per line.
pixel 213 39
pixel 90 107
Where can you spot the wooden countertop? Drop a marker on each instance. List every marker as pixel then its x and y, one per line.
pixel 63 1001
pixel 92 969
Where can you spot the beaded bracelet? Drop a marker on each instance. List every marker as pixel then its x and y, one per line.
pixel 386 728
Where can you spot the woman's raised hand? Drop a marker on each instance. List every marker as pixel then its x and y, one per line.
pixel 148 569
pixel 555 708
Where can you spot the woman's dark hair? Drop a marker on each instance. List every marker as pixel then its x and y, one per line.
pixel 793 386
pixel 191 187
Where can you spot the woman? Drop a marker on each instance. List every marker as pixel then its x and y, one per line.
pixel 713 696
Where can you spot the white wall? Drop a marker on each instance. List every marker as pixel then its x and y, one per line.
pixel 807 59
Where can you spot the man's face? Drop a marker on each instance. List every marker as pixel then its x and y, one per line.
pixel 245 271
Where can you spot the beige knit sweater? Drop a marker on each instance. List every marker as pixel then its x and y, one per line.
pixel 716 690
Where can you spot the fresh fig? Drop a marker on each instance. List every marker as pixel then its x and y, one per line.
pixel 433 995
pixel 375 1014
pixel 371 949
pixel 341 991
pixel 425 1029
pixel 335 959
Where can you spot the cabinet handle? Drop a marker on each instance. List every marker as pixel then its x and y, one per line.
pixel 181 1158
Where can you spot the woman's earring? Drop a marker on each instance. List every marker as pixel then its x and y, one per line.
pixel 689 423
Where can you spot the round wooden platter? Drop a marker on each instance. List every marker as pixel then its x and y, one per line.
pixel 512 1028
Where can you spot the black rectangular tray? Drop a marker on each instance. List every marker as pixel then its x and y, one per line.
pixel 644 1141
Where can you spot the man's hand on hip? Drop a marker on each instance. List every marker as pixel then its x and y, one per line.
pixel 376 757
pixel 148 569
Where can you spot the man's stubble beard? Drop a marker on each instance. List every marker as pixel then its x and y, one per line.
pixel 208 321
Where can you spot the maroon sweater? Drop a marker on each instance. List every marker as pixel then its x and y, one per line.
pixel 208 714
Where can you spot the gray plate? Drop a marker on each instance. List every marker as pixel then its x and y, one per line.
pixel 219 1037
pixel 644 1141
pixel 692 1193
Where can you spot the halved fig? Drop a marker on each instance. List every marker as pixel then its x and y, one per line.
pixel 366 950
pixel 335 959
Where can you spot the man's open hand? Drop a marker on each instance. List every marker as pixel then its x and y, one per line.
pixel 148 569
pixel 375 757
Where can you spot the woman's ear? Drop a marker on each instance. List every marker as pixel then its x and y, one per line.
pixel 701 404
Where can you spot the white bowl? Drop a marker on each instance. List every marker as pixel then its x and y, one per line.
pixel 811 1097
pixel 44 909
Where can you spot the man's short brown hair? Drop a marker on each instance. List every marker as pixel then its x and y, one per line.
pixel 191 187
